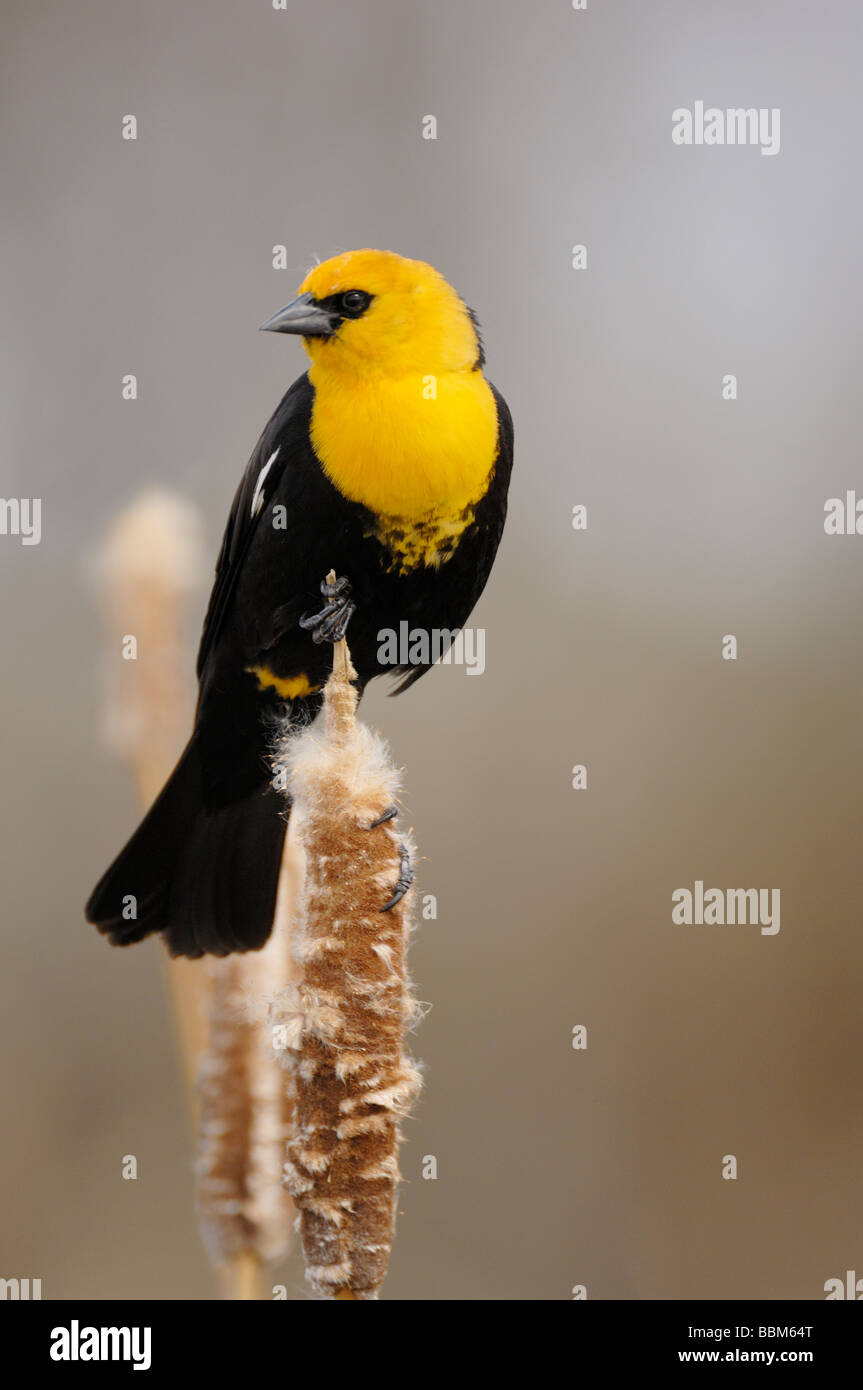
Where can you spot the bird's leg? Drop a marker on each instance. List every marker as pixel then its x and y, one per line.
pixel 331 624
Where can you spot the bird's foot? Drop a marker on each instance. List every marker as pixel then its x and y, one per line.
pixel 405 879
pixel 331 624
pixel 406 876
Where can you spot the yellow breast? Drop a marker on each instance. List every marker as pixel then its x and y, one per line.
pixel 416 450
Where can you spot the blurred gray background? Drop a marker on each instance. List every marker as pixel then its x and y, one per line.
pixel 256 127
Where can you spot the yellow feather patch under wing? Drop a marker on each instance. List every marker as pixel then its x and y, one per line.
pixel 428 542
pixel 286 687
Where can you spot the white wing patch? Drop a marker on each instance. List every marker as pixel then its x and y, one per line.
pixel 258 497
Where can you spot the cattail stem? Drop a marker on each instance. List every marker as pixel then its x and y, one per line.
pixel 245 1278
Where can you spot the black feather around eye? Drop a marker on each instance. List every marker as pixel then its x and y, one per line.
pixel 353 303
pixel 350 304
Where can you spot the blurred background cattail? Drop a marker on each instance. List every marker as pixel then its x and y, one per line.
pixel 245 1121
pixel 149 566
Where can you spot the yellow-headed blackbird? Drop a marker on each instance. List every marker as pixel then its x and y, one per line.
pixel 388 462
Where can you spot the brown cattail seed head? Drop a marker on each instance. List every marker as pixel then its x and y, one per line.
pixel 345 1024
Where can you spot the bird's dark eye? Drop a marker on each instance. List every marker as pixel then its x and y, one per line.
pixel 354 302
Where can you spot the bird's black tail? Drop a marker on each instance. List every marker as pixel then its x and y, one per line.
pixel 207 878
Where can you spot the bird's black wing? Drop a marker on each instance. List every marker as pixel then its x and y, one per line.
pixel 264 471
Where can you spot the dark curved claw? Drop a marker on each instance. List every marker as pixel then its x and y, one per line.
pixel 406 878
pixel 338 586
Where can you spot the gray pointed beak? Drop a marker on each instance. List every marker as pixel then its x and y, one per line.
pixel 302 316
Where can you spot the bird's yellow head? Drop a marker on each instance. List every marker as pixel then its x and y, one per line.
pixel 376 312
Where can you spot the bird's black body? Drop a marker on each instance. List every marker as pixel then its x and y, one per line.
pixel 203 866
